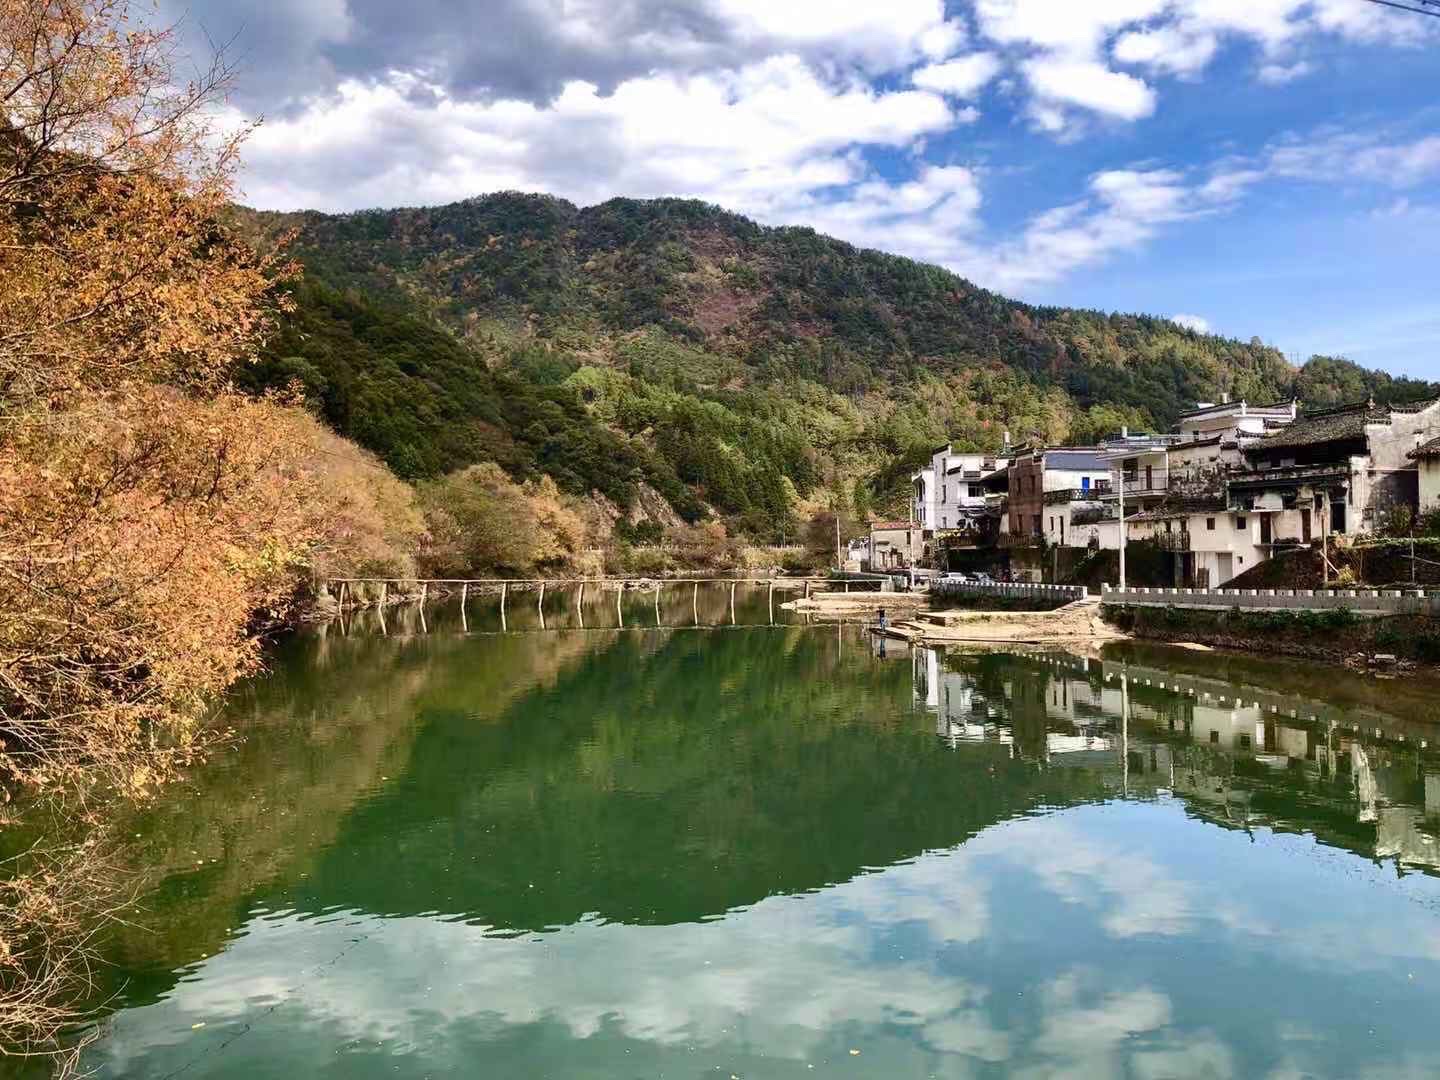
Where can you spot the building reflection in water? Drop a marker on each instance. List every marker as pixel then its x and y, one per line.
pixel 1236 754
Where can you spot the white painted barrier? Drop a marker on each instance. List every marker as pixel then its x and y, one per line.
pixel 1373 601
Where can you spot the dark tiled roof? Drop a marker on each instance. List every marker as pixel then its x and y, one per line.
pixel 1426 450
pixel 887 526
pixel 1077 460
pixel 1317 426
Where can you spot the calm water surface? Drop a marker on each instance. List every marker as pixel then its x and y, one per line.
pixel 768 851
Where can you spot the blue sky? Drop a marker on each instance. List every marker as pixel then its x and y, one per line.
pixel 1264 167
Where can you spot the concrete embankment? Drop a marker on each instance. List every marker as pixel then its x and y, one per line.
pixel 909 619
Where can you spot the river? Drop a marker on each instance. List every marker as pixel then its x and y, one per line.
pixel 744 849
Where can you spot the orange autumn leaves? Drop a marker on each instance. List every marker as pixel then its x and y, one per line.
pixel 149 518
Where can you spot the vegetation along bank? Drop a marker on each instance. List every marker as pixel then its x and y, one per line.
pixel 1338 635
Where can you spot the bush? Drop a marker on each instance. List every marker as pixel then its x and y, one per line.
pixel 645 533
pixel 482 523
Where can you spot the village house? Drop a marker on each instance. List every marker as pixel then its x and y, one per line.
pixel 895 544
pixel 949 493
pixel 1427 459
pixel 1177 496
pixel 1334 471
pixel 1075 471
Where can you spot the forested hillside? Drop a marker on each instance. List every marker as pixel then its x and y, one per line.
pixel 729 366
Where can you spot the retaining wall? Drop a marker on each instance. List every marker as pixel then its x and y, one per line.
pixel 1373 601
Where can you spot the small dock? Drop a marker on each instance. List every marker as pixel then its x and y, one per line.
pixel 1078 621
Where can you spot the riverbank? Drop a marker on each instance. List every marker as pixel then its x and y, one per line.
pixel 912 618
pixel 1336 636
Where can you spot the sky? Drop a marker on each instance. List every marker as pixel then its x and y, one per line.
pixel 1262 168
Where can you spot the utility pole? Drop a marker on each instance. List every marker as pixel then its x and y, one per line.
pixel 839 562
pixel 1122 526
pixel 1325 541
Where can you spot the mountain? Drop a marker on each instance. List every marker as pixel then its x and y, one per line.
pixel 727 365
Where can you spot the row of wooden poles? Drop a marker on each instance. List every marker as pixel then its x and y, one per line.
pixel 505 584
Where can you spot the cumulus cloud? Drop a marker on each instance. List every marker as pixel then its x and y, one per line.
pixel 1167 49
pixel 530 50
pixel 1070 49
pixel 763 137
pixel 961 77
pixel 1089 85
pixel 1198 323
pixel 1278 74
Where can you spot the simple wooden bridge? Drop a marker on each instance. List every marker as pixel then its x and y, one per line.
pixel 418 590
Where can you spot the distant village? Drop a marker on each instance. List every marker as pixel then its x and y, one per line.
pixel 1233 486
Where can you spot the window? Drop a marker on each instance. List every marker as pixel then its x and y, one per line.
pixel 1241 523
pixel 1214 736
pixel 1210 524
pixel 1084 483
pixel 1245 742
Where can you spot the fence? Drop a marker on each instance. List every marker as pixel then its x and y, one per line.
pixel 1061 594
pixel 1361 601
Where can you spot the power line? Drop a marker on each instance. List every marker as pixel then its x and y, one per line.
pixel 1415 7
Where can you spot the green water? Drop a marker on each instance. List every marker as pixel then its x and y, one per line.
pixel 768 851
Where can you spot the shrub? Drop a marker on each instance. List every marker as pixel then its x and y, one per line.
pixel 482 523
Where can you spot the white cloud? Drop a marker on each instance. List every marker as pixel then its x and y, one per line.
pixel 1067 47
pixel 1344 157
pixel 1198 323
pixel 881 37
pixel 1168 49
pixel 1090 85
pixel 755 139
pixel 961 76
pixel 1279 74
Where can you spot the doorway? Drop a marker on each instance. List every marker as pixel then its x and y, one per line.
pixel 1267 529
pixel 1305 531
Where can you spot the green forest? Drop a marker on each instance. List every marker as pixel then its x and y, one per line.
pixel 747 373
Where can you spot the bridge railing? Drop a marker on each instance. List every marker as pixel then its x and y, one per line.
pixel 1377 601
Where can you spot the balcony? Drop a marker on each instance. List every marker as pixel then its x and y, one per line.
pixel 1291 476
pixel 1067 495
pixel 1154 482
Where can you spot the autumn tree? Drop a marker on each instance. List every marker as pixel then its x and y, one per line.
pixel 112 171
pixel 482 522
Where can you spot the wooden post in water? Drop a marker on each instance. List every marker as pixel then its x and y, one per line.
pixel 384 592
pixel 504 588
pixel 772 602
pixel 580 605
pixel 344 587
pixel 540 605
pixel 657 603
pixel 732 603
pixel 695 603
pixel 619 613
pixel 424 592
pixel 807 588
pixel 464 594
